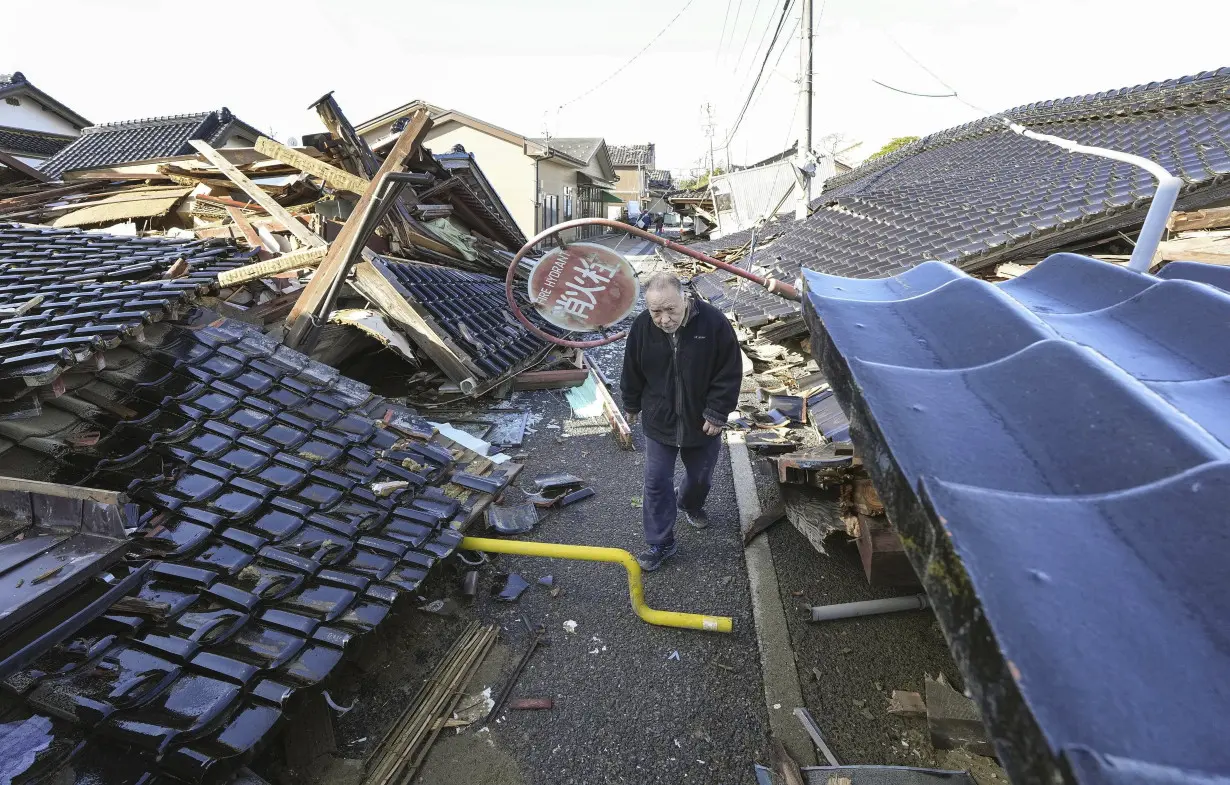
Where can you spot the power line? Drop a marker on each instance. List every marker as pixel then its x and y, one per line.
pixel 725 18
pixel 933 75
pixel 916 95
pixel 743 47
pixel 781 21
pixel 617 71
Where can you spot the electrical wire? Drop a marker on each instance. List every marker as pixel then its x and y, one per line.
pixel 916 95
pixel 642 51
pixel 760 74
pixel 722 37
pixel 933 75
pixel 746 37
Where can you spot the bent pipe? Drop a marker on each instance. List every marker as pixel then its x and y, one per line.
pixel 774 286
pixel 687 621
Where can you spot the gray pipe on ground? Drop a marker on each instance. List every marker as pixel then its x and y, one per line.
pixel 846 610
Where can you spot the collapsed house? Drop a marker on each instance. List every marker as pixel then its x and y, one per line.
pixel 1001 393
pixel 197 521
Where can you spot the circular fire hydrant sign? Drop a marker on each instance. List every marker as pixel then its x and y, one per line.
pixel 583 287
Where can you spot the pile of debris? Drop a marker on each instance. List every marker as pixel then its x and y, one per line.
pixel 200 519
pixel 361 272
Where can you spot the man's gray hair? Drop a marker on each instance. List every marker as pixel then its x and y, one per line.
pixel 664 282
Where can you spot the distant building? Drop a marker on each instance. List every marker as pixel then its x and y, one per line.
pixel 33 125
pixel 634 163
pixel 541 181
pixel 133 141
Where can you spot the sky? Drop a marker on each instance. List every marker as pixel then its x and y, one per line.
pixel 572 68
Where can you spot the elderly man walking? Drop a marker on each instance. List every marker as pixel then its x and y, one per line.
pixel 682 372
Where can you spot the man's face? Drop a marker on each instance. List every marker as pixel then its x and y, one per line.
pixel 667 309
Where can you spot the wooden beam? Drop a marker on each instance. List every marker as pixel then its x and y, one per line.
pixel 241 220
pixel 258 195
pixel 1212 248
pixel 304 257
pixel 334 265
pixel 1209 218
pixel 371 283
pixel 63 491
pixel 23 167
pixel 619 425
pixel 337 178
pixel 550 380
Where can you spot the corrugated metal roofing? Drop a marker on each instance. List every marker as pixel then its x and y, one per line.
pixel 1055 452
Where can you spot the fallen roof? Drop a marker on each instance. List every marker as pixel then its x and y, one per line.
pixel 1055 453
pixel 140 140
pixel 631 155
pixel 979 193
pixel 272 540
pixel 93 291
pixel 464 167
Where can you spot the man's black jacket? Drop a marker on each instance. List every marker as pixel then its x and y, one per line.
pixel 677 389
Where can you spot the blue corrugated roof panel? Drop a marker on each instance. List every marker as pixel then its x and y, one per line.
pixel 1055 451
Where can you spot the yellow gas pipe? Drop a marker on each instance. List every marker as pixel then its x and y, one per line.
pixel 689 621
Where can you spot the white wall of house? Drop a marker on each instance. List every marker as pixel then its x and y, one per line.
pixel 29 114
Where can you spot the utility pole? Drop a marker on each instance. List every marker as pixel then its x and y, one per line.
pixel 709 126
pixel 803 154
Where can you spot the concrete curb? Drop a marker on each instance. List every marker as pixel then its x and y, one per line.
pixel 782 691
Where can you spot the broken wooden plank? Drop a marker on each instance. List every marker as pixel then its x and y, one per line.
pixel 1208 218
pixel 258 195
pixel 304 257
pixel 619 426
pixel 954 721
pixel 334 265
pixel 865 498
pixel 763 522
pixel 333 176
pixel 249 233
pixel 21 166
pixel 550 380
pixel 64 491
pixel 1012 269
pixel 371 283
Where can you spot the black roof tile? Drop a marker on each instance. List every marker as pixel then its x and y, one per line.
pixel 23 141
pixel 139 140
pixel 979 194
pixel 1055 452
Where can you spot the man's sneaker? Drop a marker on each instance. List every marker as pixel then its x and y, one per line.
pixel 652 558
pixel 698 520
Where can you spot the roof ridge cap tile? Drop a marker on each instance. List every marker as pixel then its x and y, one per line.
pixel 122 125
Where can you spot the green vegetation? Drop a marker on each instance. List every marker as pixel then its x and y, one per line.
pixel 893 145
pixel 699 182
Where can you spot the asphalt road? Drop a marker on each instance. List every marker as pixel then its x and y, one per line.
pixel 634 703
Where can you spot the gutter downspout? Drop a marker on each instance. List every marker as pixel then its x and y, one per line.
pixel 1164 197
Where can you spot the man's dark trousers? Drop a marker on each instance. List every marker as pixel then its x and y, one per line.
pixel 659 504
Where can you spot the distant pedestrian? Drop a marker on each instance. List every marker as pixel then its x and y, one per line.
pixel 657 223
pixel 682 370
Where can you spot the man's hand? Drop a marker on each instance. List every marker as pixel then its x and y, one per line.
pixel 711 429
pixel 631 417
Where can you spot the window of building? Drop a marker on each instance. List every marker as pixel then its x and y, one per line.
pixel 550 211
pixel 567 208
